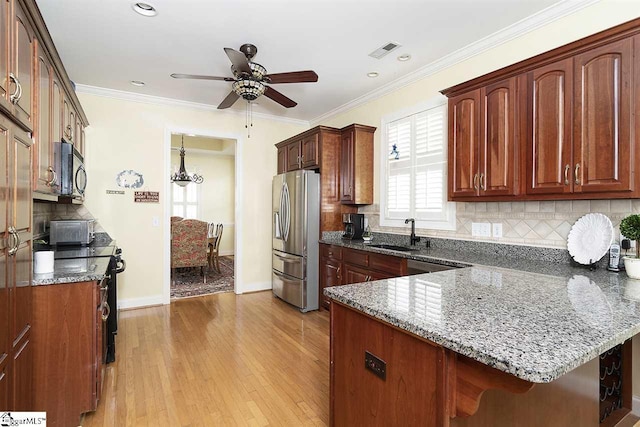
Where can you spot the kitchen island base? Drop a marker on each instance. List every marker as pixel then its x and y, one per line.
pixel 382 375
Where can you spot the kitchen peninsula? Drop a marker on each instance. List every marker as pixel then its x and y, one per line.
pixel 483 345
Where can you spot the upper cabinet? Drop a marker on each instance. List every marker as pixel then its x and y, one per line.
pixel 557 126
pixel 356 165
pixel 299 153
pixel 483 153
pixel 603 96
pixel 17 63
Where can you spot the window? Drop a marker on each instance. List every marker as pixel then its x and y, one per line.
pixel 414 168
pixel 184 200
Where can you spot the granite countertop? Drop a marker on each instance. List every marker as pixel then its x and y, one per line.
pixel 74 270
pixel 535 320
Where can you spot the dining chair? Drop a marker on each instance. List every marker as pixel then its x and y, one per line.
pixel 214 248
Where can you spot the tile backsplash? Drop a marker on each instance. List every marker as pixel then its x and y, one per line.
pixel 544 223
pixel 45 212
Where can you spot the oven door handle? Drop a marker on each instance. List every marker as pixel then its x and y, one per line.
pixel 122 266
pixel 106 311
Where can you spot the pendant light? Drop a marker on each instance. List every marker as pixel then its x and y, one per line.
pixel 182 178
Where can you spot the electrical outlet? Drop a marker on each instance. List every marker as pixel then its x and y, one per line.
pixel 481 229
pixel 497 229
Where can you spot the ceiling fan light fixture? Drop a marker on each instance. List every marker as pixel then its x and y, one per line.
pixel 248 89
pixel 144 9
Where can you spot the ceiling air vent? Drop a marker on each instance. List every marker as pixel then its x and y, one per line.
pixel 384 49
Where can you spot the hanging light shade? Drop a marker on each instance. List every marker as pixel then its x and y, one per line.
pixel 182 178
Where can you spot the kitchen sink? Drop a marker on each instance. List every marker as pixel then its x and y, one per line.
pixel 392 247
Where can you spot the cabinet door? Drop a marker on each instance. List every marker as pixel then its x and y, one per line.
pixel 7 86
pixel 4 243
pixel 21 189
pixel 498 152
pixel 23 64
pixel 330 275
pixel 602 134
pixel 71 125
pixel 282 160
pixel 21 381
pixel 78 136
pixel 310 155
pixel 346 167
pixel 353 274
pixel 549 133
pixel 4 311
pixel 4 384
pixel 67 129
pixel 56 109
pixel 464 129
pixel 293 156
pixel 43 165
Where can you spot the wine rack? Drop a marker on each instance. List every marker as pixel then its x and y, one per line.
pixel 611 382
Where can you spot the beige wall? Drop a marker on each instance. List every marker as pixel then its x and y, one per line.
pixel 531 223
pixel 544 224
pixel 217 192
pixel 131 135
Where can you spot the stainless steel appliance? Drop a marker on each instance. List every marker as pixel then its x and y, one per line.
pixel 73 232
pixel 73 175
pixel 353 226
pixel 296 224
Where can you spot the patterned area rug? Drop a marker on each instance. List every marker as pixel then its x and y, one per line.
pixel 188 282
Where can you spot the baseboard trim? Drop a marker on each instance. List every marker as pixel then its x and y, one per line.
pixel 635 407
pixel 227 253
pixel 125 304
pixel 253 287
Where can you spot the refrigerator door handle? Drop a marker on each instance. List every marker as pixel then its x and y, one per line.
pixel 276 225
pixel 286 211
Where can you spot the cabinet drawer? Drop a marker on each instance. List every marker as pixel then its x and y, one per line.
pixel 330 251
pixel 357 258
pixel 389 264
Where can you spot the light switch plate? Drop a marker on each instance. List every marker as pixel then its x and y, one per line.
pixel 497 229
pixel 481 229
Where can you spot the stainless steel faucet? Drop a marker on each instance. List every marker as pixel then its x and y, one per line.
pixel 414 239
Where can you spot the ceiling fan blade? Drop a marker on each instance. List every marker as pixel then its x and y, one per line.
pixel 228 101
pixel 238 60
pixel 293 77
pixel 198 77
pixel 279 98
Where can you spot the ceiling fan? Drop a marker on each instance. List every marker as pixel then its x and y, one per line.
pixel 249 78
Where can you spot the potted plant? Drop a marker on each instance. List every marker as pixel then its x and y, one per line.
pixel 630 228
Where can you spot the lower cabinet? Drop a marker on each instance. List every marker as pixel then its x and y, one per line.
pixel 68 350
pixel 344 266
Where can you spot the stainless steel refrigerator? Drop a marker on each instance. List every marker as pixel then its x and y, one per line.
pixel 296 216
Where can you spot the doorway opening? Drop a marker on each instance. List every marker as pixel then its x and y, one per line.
pixel 202 216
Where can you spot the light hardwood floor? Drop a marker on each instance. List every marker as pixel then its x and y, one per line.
pixel 218 360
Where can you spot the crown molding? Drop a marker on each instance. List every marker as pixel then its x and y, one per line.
pixel 158 100
pixel 526 25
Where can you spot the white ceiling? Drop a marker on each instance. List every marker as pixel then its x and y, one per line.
pixel 106 44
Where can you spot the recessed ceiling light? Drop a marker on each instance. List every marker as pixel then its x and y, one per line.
pixel 404 57
pixel 137 83
pixel 145 9
pixel 372 74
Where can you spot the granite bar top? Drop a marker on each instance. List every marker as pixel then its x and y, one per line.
pixel 533 319
pixel 74 270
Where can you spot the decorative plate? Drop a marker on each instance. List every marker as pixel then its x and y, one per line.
pixel 129 179
pixel 590 238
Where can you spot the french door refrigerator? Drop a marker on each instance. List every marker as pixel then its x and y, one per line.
pixel 296 216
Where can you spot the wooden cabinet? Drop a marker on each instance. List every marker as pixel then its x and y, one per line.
pixel 17 60
pixel 15 265
pixel 344 266
pixel 318 149
pixel 356 165
pixel 483 153
pixel 603 123
pixel 45 173
pixel 330 270
pixel 68 357
pixel 548 107
pixel 570 112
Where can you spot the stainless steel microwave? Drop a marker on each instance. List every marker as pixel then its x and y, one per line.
pixel 71 232
pixel 73 175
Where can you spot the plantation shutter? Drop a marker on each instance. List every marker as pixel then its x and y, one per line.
pixel 416 175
